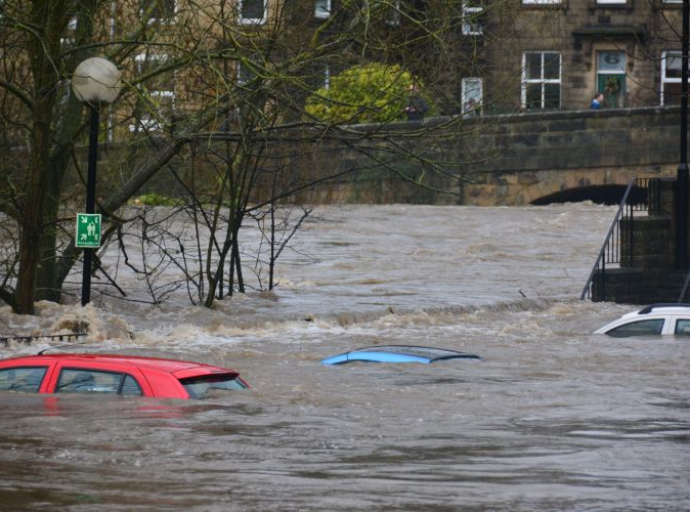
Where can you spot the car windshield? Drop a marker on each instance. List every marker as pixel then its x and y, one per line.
pixel 201 387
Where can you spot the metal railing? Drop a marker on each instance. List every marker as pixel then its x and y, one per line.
pixel 641 194
pixel 6 340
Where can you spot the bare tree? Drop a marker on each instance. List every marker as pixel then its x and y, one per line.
pixel 215 107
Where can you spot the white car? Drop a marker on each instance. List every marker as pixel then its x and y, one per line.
pixel 665 319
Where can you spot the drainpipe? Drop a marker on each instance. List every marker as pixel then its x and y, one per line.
pixel 682 179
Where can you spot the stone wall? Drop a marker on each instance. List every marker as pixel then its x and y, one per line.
pixel 550 153
pixel 518 159
pixel 500 160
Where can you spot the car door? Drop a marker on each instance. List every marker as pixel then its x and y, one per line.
pixel 681 326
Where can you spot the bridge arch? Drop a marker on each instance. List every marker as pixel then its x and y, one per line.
pixel 609 194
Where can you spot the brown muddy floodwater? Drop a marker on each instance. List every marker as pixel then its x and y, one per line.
pixel 552 417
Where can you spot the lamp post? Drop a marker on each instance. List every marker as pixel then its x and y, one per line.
pixel 682 181
pixel 96 82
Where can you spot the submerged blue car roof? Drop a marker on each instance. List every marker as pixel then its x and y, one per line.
pixel 397 354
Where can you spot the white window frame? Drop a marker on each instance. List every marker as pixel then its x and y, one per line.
pixel 322 9
pixel 162 21
pixel 149 122
pixel 541 80
pixel 254 21
pixel 327 77
pixel 71 27
pixel 664 78
pixel 392 15
pixel 465 89
pixel 470 25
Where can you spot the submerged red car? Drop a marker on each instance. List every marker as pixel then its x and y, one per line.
pixel 115 374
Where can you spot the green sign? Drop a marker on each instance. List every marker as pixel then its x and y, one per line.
pixel 88 230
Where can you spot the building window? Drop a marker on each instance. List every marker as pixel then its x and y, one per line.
pixel 471 14
pixel 671 78
pixel 70 32
pixel 158 11
pixel 326 77
pixel 253 11
pixel 245 74
pixel 155 109
pixel 611 78
pixel 541 80
pixel 471 97
pixel 322 8
pixel 391 11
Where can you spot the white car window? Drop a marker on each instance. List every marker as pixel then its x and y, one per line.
pixel 683 327
pixel 639 328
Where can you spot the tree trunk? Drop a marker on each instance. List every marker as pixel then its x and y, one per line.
pixel 39 174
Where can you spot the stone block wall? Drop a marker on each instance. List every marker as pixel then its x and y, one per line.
pixel 511 159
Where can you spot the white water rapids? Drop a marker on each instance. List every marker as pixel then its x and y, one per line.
pixel 552 417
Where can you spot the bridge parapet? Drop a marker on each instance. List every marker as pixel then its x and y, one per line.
pixel 519 159
pixel 550 153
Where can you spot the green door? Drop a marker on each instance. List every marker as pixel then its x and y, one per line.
pixel 611 69
pixel 613 87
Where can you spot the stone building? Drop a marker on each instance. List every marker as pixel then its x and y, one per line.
pixel 565 51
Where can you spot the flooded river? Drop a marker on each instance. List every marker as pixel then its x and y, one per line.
pixel 552 417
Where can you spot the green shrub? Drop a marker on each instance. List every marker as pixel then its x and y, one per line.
pixel 363 94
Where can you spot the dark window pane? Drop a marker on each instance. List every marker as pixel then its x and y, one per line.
pixel 552 66
pixel 533 66
pixel 252 9
pixel 533 96
pixel 672 94
pixel 26 380
pixel 643 328
pixel 673 63
pixel 552 96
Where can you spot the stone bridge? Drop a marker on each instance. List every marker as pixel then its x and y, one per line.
pixel 535 159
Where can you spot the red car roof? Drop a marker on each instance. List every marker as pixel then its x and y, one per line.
pixel 157 377
pixel 155 363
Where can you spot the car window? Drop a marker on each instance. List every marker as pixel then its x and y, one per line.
pixel 200 387
pixel 683 327
pixel 640 328
pixel 73 380
pixel 130 386
pixel 26 379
